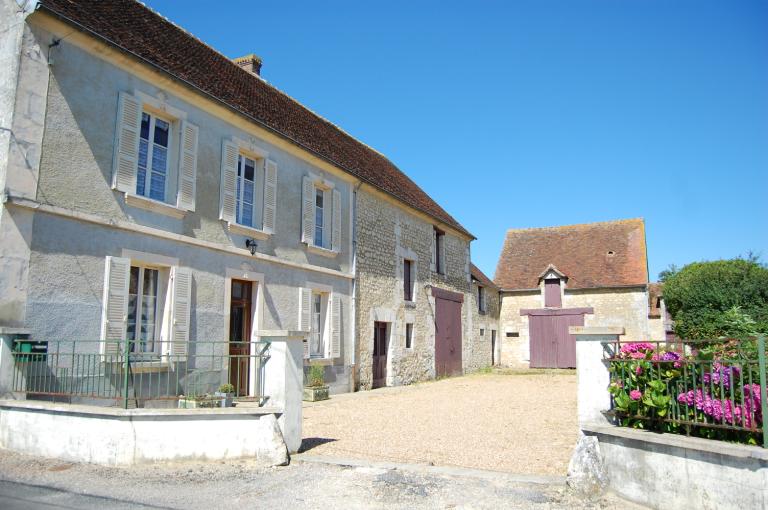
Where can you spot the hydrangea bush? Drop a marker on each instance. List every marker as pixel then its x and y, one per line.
pixel 657 388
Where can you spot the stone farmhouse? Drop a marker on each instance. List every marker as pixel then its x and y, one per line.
pixel 156 191
pixel 577 275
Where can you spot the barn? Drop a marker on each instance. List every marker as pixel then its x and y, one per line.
pixel 576 275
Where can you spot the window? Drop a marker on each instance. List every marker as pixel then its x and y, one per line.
pixel 482 332
pixel 552 296
pixel 152 173
pixel 408 280
pixel 317 333
pixel 249 192
pixel 439 251
pixel 408 335
pixel 143 296
pixel 319 217
pixel 481 299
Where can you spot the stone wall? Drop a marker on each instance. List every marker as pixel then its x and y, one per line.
pixel 480 355
pixel 622 307
pixel 386 234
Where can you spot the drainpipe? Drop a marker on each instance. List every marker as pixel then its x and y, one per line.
pixel 353 306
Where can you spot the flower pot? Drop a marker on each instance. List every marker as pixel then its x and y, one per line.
pixel 315 393
pixel 225 398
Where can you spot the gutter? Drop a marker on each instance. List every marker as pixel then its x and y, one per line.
pixel 265 126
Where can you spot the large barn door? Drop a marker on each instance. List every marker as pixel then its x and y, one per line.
pixel 447 332
pixel 551 344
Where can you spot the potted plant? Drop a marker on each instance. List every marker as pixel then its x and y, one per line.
pixel 315 389
pixel 226 394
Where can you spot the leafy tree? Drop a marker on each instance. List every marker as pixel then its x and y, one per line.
pixel 719 298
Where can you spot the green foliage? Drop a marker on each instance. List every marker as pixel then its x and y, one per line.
pixel 226 388
pixel 316 376
pixel 720 298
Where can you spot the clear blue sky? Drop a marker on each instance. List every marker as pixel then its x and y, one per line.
pixel 536 113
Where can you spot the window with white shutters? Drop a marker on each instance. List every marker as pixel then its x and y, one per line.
pixel 320 215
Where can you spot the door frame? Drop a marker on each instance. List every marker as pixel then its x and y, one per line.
pixel 257 316
pixel 388 339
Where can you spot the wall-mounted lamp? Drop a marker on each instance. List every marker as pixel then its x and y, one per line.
pixel 251 245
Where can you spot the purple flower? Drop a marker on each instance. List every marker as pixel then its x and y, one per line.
pixel 635 395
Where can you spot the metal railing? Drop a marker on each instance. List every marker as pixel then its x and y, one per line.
pixel 210 374
pixel 708 388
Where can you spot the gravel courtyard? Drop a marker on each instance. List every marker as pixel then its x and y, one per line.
pixel 516 422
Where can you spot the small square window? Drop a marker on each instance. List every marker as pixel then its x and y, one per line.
pixel 482 332
pixel 408 335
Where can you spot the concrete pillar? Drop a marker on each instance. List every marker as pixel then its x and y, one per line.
pixel 592 372
pixel 284 379
pixel 7 337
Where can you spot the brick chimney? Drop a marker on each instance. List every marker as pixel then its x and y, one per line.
pixel 250 63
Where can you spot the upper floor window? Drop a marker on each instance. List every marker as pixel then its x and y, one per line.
pixel 250 189
pixel 438 250
pixel 155 154
pixel 152 172
pixel 321 215
pixel 552 297
pixel 481 299
pixel 408 279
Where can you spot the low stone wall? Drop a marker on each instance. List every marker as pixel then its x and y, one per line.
pixel 111 436
pixel 666 471
pixel 670 471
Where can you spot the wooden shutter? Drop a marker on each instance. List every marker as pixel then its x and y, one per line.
pixel 335 326
pixel 227 204
pixel 433 260
pixel 305 315
pixel 307 211
pixel 187 166
pixel 114 316
pixel 182 295
pixel 270 195
pixel 336 229
pixel 126 156
pixel 441 253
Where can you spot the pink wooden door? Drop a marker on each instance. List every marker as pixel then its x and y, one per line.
pixel 447 335
pixel 551 344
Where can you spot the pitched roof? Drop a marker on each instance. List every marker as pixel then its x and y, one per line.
pixel 480 277
pixel 136 29
pixel 608 254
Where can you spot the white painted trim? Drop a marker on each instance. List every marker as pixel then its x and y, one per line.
pixel 324 252
pixel 319 287
pixel 250 147
pixel 162 234
pixel 149 258
pixel 257 314
pixel 154 206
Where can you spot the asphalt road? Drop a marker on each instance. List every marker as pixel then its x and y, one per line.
pixel 23 496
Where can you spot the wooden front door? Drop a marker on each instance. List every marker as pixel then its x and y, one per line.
pixel 240 336
pixel 551 344
pixel 447 332
pixel 380 345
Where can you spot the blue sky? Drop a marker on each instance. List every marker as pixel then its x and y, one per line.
pixel 537 113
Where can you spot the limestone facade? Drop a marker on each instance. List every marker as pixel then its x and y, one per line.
pixel 386 234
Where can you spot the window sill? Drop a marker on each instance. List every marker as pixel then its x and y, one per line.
pixel 320 361
pixel 410 304
pixel 154 206
pixel 324 252
pixel 242 230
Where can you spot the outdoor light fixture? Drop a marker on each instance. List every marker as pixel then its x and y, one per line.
pixel 251 244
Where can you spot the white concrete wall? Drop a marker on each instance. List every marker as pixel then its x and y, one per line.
pixel 124 437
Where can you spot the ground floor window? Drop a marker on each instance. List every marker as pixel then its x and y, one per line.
pixel 408 335
pixel 318 336
pixel 142 327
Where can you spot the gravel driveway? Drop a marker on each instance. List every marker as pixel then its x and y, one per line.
pixel 516 422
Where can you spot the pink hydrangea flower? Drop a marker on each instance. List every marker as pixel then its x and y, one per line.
pixel 635 395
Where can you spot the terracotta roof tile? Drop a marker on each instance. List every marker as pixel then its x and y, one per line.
pixel 480 277
pixel 608 254
pixel 136 29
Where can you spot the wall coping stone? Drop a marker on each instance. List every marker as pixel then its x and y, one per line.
pixel 133 414
pixel 677 441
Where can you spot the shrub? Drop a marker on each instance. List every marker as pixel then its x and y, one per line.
pixel 316 376
pixel 720 298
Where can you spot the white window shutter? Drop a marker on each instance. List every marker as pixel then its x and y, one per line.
pixel 227 203
pixel 270 195
pixel 305 315
pixel 335 326
pixel 336 229
pixel 126 156
pixel 187 166
pixel 114 316
pixel 182 296
pixel 307 211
